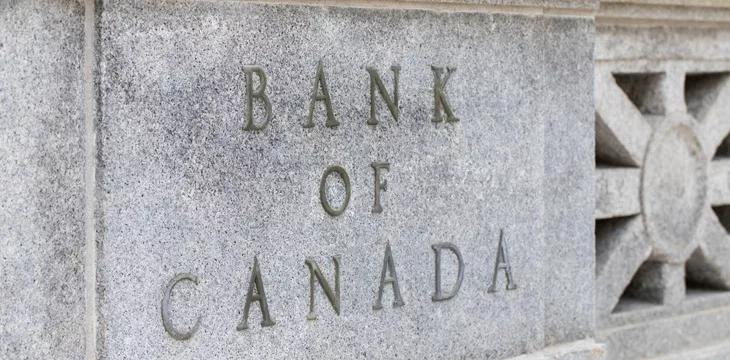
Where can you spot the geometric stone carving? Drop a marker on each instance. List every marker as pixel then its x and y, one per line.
pixel 621 131
pixel 621 247
pixel 659 282
pixel 656 181
pixel 673 188
pixel 617 192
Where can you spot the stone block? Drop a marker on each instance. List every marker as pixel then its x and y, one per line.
pixel 719 351
pixel 660 124
pixel 491 142
pixel 568 195
pixel 41 197
pixel 617 192
pixel 659 282
pixel 661 42
pixel 578 350
pixel 656 331
pixel 670 62
pixel 540 4
pixel 621 248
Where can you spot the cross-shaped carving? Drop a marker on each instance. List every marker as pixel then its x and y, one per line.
pixel 661 184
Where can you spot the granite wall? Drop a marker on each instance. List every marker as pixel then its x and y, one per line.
pixel 42 177
pixel 187 179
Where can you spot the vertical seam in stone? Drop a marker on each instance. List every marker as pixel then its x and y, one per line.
pixel 90 321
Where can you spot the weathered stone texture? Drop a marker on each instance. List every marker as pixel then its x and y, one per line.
pixel 567 186
pixel 667 334
pixel 661 42
pixel 41 199
pixel 617 192
pixel 187 190
pixel 578 350
pixel 662 268
pixel 547 4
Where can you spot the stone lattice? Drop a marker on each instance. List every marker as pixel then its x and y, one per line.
pixel 659 174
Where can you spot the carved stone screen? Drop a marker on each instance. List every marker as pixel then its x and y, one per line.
pixel 295 181
pixel 662 241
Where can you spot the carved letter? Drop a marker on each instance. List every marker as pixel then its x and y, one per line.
pixel 377 209
pixel 166 308
pixel 333 297
pixel 391 279
pixel 439 96
pixel 323 190
pixel 438 294
pixel 259 93
pixel 502 262
pixel 260 296
pixel 392 103
pixel 320 82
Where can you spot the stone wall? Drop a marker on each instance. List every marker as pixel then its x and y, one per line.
pixel 378 179
pixel 662 117
pixel 42 177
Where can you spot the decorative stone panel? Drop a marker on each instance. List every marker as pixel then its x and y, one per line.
pixel 661 180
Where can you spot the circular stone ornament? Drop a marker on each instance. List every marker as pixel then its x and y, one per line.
pixel 673 189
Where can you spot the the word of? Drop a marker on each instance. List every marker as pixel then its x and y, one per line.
pixel 342 173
